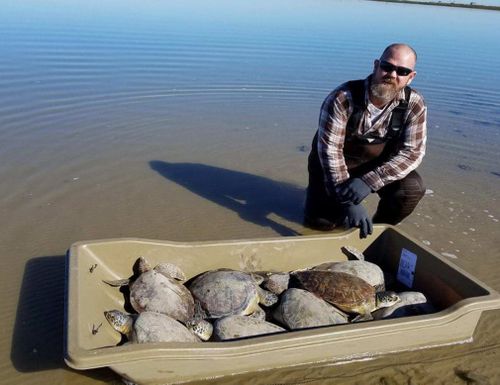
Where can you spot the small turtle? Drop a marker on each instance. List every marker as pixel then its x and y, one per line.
pixel 300 309
pixel 412 303
pixel 159 290
pixel 224 292
pixel 149 327
pixel 345 291
pixel 275 282
pixel 365 270
pixel 238 326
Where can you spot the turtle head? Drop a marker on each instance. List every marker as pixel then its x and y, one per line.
pixel 120 321
pixel 202 328
pixel 386 299
pixel 267 298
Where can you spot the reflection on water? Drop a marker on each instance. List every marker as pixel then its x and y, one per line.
pixel 94 71
pixel 191 120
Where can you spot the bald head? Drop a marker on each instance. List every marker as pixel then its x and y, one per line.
pixel 400 50
pixel 391 73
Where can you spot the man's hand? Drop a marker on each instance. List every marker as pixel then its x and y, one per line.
pixel 356 216
pixel 353 190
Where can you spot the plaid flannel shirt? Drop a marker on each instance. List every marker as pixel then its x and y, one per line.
pixel 335 112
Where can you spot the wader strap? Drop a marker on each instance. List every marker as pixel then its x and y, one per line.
pixel 357 88
pixel 396 125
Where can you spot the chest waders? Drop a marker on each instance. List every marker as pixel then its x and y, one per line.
pixel 361 155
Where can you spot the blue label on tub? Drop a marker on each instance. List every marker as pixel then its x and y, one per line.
pixel 406 270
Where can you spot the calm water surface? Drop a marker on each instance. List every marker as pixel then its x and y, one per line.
pixel 193 121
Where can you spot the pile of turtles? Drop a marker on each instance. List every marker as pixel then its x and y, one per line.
pixel 227 304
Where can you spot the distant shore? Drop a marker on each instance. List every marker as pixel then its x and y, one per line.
pixel 445 4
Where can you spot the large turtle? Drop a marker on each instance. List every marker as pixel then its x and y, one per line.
pixel 224 292
pixel 152 327
pixel 345 291
pixel 158 290
pixel 238 326
pixel 365 270
pixel 300 309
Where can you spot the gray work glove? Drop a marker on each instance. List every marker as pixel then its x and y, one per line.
pixel 356 216
pixel 353 190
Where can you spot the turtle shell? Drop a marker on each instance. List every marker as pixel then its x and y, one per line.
pixel 365 270
pixel 156 327
pixel 154 292
pixel 225 292
pixel 301 309
pixel 238 326
pixel 345 291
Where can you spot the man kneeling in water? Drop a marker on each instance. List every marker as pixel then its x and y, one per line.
pixel 371 138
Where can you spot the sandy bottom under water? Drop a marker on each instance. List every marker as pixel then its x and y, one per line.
pixel 234 198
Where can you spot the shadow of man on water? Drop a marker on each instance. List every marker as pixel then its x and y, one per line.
pixel 253 197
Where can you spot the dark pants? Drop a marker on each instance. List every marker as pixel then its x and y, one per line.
pixel 397 200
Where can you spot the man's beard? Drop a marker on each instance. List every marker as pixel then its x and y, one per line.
pixel 385 91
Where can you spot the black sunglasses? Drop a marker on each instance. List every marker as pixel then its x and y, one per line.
pixel 388 67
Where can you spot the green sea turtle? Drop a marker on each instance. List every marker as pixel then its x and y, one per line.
pixel 412 303
pixel 158 290
pixel 153 327
pixel 224 292
pixel 238 326
pixel 345 291
pixel 300 309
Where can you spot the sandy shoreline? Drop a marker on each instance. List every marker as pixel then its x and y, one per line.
pixel 473 5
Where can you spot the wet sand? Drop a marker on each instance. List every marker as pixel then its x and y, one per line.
pixel 452 219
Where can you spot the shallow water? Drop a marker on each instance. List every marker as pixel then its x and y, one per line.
pixel 193 121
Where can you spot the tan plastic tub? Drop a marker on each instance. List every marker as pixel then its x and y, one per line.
pixel 91 341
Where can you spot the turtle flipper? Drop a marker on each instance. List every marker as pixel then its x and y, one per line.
pixel 141 265
pixel 363 317
pixel 365 313
pixel 170 270
pixel 117 282
pixel 258 277
pixel 352 253
pixel 258 313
